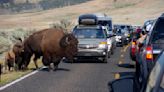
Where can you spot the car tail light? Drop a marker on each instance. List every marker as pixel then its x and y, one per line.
pixel 149 53
pixel 133 44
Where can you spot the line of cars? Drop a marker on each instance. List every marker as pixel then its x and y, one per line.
pixel 95 36
pixel 148 56
pixel 123 34
pixel 151 47
pixel 98 37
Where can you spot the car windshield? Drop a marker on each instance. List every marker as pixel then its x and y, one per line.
pixel 89 33
pixel 158 36
pixel 119 32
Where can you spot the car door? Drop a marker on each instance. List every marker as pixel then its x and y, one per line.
pixel 156 79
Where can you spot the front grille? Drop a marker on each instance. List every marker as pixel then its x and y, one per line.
pixel 86 46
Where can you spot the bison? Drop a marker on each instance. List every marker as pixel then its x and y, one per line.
pixel 53 44
pixel 13 56
pixel 18 50
pixel 56 45
pixel 9 59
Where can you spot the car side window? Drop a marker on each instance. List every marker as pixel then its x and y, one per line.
pixel 158 36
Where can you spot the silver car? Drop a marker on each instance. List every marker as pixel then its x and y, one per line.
pixel 92 42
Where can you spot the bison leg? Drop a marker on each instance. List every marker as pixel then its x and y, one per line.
pixel 35 61
pixel 55 66
pixel 9 68
pixel 46 62
pixel 26 61
pixel 6 65
pixel 56 63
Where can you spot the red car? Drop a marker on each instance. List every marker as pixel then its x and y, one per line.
pixel 133 47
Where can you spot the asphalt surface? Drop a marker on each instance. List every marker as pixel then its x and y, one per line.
pixel 82 76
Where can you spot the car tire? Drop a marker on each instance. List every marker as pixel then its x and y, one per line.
pixel 109 54
pixel 69 61
pixel 105 60
pixel 139 74
pixel 112 51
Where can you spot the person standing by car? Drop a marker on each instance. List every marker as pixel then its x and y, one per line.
pixel 140 41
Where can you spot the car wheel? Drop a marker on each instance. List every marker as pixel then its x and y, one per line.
pixel 112 51
pixel 109 54
pixel 137 73
pixel 105 60
pixel 69 61
pixel 141 75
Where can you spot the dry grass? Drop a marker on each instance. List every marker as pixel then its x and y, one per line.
pixel 127 11
pixel 13 75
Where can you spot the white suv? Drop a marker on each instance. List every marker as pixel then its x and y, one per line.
pixel 110 40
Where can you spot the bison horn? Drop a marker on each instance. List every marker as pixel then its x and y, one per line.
pixel 64 41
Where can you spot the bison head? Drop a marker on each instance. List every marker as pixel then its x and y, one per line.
pixel 69 43
pixel 18 49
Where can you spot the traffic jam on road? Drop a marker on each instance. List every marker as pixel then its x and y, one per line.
pixel 108 57
pixel 146 49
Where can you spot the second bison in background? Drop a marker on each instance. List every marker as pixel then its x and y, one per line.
pixel 14 55
pixel 52 44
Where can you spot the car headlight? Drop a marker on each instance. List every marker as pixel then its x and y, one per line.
pixel 103 45
pixel 125 34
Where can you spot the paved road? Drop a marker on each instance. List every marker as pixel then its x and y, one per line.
pixel 77 77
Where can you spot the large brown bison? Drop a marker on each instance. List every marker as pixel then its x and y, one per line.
pixel 52 44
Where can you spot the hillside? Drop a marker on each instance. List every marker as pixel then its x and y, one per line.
pixel 127 11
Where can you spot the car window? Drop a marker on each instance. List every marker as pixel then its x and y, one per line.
pixel 122 27
pixel 158 36
pixel 89 33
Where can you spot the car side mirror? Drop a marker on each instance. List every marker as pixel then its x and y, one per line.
pixel 122 85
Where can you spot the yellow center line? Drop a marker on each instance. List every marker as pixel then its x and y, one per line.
pixel 126 47
pixel 117 76
pixel 122 56
pixel 120 62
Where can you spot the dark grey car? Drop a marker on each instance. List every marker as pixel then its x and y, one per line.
pixel 154 83
pixel 92 42
pixel 153 45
